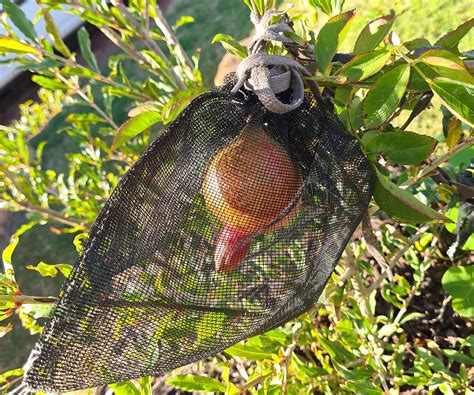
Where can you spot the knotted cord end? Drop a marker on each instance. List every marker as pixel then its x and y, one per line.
pixel 267 75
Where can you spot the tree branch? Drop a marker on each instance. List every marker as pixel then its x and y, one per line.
pixel 438 161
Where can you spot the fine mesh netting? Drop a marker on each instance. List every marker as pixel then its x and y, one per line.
pixel 229 225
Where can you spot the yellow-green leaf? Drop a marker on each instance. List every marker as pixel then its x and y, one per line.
pixel 9 45
pixel 51 270
pixel 454 132
pixel 231 45
pixel 52 30
pixel 135 126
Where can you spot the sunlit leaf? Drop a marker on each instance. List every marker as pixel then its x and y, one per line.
pixel 451 39
pixel 49 83
pixel 51 270
pixel 373 33
pixel 329 7
pixel 53 31
pixel 183 20
pixel 190 382
pixel 250 353
pixel 9 45
pixel 176 104
pixel 231 45
pixel 330 37
pixel 135 126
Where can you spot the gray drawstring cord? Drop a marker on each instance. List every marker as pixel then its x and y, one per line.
pixel 267 75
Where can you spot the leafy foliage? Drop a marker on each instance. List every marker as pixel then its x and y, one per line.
pixel 65 155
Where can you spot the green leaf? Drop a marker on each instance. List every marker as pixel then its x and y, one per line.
pixel 433 362
pixel 409 317
pixel 82 72
pixel 176 104
pixel 451 39
pixel 51 270
pixel 190 382
pixel 7 253
pixel 51 28
pixel 135 126
pixel 49 83
pixel 145 386
pixel 329 7
pixel 331 35
pixel 458 281
pixel 373 33
pixel 458 357
pixel 231 45
pixel 19 19
pixel 363 66
pixel 185 19
pixel 9 45
pixel 400 147
pixel 443 63
pixel 86 51
pixel 457 96
pixel 400 204
pixel 454 132
pixel 125 388
pixel 250 353
pixel 84 119
pixel 383 98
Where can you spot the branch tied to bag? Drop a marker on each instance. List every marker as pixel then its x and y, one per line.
pixel 267 75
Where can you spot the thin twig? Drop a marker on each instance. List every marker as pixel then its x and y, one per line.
pixel 286 364
pixel 373 246
pixel 52 214
pixel 151 44
pixel 147 17
pixel 28 299
pixel 398 255
pixel 438 161
pixel 442 310
pixel 170 35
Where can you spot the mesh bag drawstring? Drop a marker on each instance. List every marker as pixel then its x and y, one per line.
pixel 227 226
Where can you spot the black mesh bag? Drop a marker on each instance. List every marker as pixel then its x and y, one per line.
pixel 229 225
